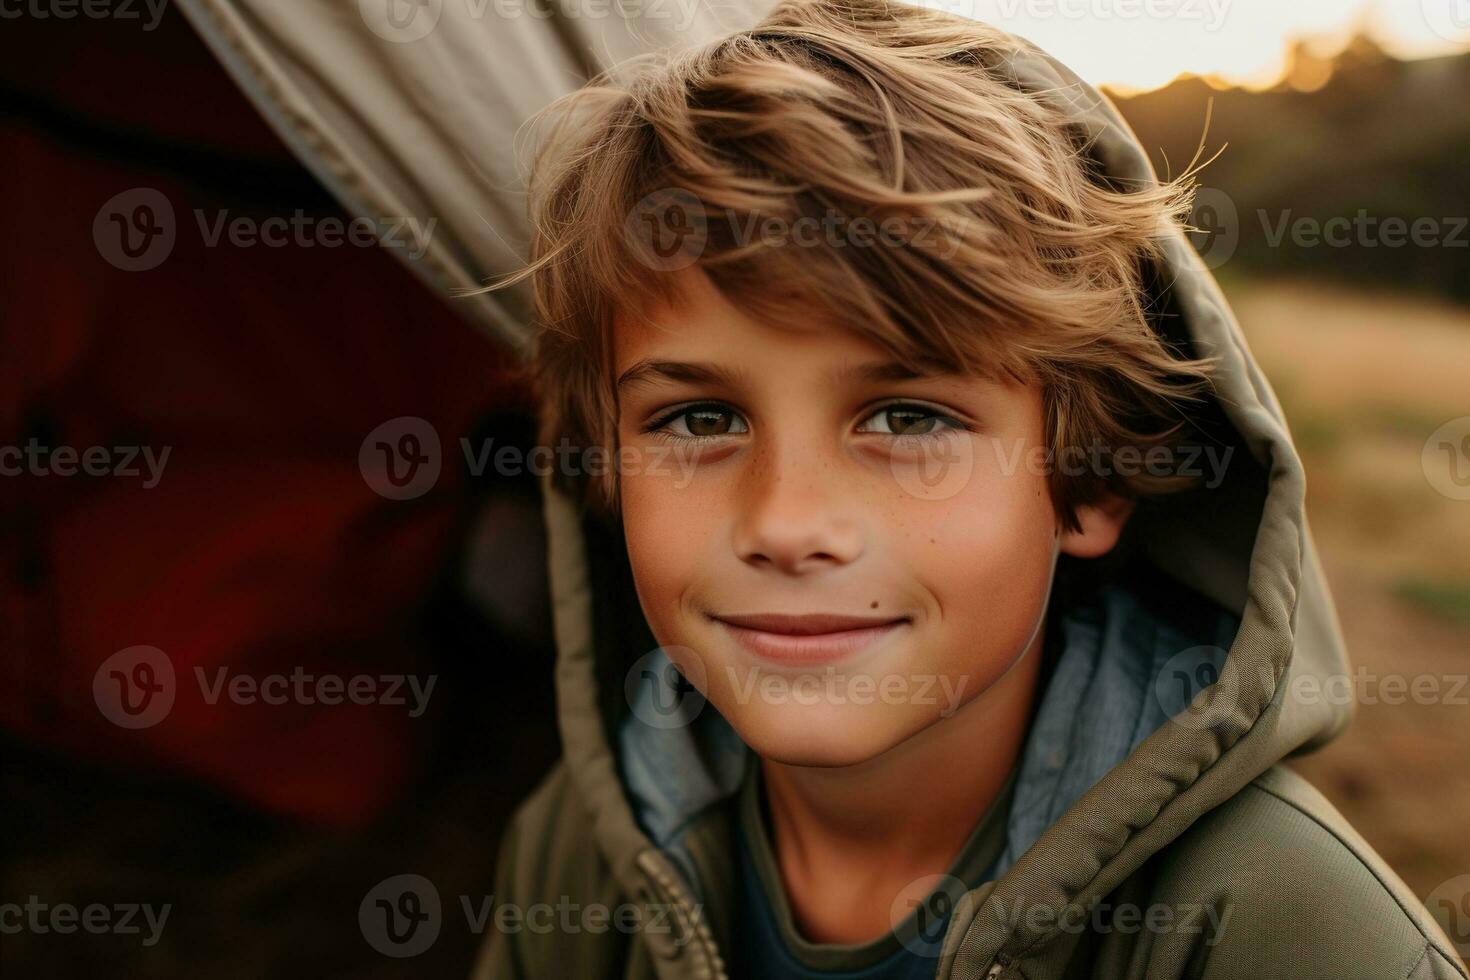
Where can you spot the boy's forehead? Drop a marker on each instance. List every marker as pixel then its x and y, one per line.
pixel 698 323
pixel 698 317
pixel 704 335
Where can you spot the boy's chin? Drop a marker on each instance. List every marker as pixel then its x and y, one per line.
pixel 827 737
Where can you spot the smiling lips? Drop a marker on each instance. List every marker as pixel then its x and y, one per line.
pixel 807 640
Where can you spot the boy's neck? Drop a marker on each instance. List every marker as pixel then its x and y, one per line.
pixel 849 839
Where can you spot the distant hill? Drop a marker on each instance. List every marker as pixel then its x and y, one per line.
pixel 1381 139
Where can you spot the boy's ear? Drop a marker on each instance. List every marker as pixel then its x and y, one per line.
pixel 1102 524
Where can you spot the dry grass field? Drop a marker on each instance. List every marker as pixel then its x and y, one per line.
pixel 1365 378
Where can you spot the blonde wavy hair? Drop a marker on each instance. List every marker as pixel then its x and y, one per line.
pixel 1032 265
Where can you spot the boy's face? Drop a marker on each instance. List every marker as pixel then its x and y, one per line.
pixel 837 554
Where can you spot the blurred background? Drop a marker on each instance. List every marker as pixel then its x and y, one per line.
pixel 1365 335
pixel 1334 213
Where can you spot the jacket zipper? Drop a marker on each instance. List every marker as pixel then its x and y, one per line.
pixel 713 964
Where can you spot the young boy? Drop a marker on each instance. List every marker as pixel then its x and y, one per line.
pixel 933 594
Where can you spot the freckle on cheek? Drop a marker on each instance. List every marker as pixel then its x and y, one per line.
pixel 873 604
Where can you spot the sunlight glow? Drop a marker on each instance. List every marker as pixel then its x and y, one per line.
pixel 1144 44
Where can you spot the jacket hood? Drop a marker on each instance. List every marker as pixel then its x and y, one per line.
pixel 1243 544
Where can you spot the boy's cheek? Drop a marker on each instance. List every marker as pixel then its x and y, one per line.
pixel 667 540
pixel 989 566
pixel 1001 525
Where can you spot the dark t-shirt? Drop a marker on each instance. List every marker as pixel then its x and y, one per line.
pixel 768 944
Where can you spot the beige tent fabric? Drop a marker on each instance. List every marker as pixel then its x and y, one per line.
pixel 408 109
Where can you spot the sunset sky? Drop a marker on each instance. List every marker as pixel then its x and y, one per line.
pixel 1143 44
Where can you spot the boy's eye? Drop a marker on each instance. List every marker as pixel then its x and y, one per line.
pixel 906 420
pixel 702 421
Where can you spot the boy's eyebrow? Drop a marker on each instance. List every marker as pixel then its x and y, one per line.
pixel 879 372
pixel 714 374
pixel 681 371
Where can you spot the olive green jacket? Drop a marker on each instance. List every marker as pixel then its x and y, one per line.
pixel 1200 818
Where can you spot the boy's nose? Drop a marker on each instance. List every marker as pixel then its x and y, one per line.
pixel 796 521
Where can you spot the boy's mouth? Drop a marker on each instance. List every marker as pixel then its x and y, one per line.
pixel 809 639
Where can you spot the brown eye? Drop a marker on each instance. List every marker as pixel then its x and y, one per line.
pixel 702 421
pixel 708 422
pixel 908 420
